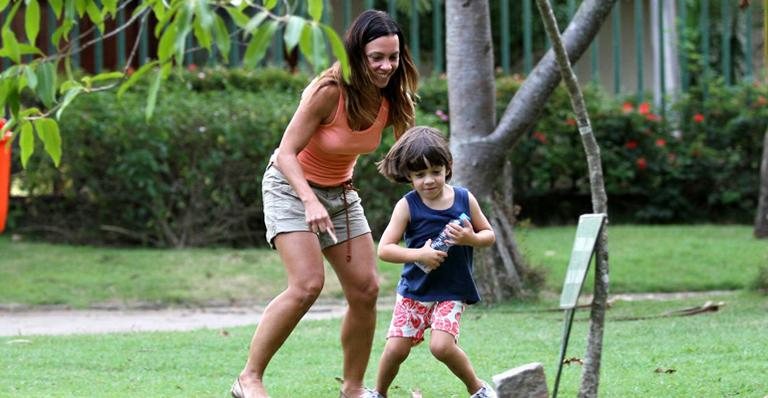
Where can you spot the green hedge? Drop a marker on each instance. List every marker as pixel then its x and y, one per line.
pixel 191 175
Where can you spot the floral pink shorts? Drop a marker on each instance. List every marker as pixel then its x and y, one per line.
pixel 411 318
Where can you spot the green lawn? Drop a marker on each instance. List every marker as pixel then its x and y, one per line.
pixel 710 355
pixel 642 259
pixel 719 354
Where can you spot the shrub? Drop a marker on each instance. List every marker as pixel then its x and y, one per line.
pixel 192 174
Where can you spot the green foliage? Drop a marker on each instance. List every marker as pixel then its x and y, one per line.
pixel 190 176
pixel 699 161
pixel 32 73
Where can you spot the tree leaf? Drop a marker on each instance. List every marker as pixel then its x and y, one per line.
pixel 202 34
pixel 32 20
pixel 259 44
pixel 222 37
pixel 240 19
pixel 11 45
pixel 305 42
pixel 26 142
pixel 337 46
pixel 293 31
pixel 57 6
pixel 165 48
pixel 48 131
pixel 270 4
pixel 135 77
pixel 110 8
pixel 152 96
pixel 46 83
pixel 61 31
pixel 71 94
pixel 255 22
pixel 94 13
pixel 204 14
pixel 29 74
pixel 319 48
pixel 9 17
pixel 315 9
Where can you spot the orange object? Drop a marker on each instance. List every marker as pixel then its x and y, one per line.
pixel 5 175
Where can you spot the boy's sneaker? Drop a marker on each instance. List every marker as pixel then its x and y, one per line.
pixel 369 393
pixel 485 392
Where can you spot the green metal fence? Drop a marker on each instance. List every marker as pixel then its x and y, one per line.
pixel 714 40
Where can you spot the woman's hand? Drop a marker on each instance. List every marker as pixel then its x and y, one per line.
pixel 317 217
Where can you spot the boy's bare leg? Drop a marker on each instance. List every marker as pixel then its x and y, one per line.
pixel 395 352
pixel 443 346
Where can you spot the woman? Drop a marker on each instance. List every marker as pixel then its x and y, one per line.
pixel 309 202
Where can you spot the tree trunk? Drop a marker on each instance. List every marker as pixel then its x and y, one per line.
pixel 480 146
pixel 761 218
pixel 591 372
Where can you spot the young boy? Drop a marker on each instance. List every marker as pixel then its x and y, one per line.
pixel 433 296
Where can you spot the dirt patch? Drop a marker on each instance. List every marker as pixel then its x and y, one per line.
pixel 19 321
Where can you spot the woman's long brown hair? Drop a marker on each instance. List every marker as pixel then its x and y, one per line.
pixel 401 90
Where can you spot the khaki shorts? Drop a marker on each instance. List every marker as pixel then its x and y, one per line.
pixel 284 211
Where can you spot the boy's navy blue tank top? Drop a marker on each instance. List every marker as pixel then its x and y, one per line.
pixel 452 280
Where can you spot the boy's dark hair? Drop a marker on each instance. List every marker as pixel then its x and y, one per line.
pixel 419 146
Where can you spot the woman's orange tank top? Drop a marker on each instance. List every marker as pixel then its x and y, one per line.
pixel 330 155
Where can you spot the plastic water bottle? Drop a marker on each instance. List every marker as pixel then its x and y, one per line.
pixel 441 242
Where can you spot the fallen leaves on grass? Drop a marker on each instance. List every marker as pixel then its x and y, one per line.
pixel 573 361
pixel 665 370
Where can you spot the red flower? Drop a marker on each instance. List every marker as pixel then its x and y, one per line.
pixel 570 121
pixel 539 136
pixel 627 107
pixel 7 134
pixel 652 117
pixel 631 144
pixel 641 163
pixel 660 142
pixel 644 108
pixel 698 118
pixel 191 67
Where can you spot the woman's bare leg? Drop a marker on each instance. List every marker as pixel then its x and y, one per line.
pixel 360 282
pixel 305 282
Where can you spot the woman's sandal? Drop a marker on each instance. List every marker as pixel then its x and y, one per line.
pixel 237 389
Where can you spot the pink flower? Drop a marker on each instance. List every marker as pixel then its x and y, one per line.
pixel 661 143
pixel 442 115
pixel 631 144
pixel 627 107
pixel 644 108
pixel 698 118
pixel 539 136
pixel 191 67
pixel 641 163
